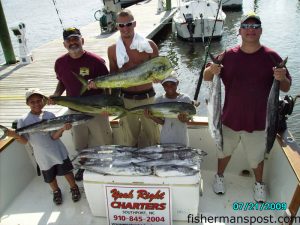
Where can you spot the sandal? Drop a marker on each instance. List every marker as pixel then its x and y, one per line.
pixel 75 193
pixel 57 197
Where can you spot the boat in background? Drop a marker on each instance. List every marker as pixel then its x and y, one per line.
pixel 195 20
pixel 232 5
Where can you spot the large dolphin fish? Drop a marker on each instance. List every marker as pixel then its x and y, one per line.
pixel 157 68
pixel 165 109
pixel 92 104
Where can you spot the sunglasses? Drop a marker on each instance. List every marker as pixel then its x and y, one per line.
pixel 129 24
pixel 249 25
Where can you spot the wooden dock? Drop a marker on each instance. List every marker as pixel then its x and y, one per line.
pixel 15 79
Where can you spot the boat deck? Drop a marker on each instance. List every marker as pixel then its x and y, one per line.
pixel 14 79
pixel 38 209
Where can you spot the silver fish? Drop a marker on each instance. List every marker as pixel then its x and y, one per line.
pixel 175 171
pixel 190 162
pixel 127 170
pixel 214 108
pixel 52 124
pixel 273 109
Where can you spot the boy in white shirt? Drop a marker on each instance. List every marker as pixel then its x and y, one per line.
pixel 174 131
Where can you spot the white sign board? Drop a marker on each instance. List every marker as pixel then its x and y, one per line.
pixel 138 205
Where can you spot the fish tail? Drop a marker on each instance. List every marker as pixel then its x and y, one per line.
pixel 3 132
pixel 83 81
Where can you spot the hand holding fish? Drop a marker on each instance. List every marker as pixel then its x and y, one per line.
pixel 50 101
pixel 67 126
pixel 280 73
pixel 215 68
pixel 91 85
pixel 183 117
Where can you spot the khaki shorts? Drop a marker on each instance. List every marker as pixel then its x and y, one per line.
pixel 136 127
pixel 253 145
pixel 95 132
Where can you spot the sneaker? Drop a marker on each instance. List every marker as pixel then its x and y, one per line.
pixel 75 193
pixel 79 175
pixel 260 192
pixel 218 185
pixel 57 197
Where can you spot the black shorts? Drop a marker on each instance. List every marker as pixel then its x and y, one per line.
pixel 57 170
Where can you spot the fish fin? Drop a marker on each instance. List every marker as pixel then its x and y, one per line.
pixel 121 115
pixel 3 132
pixel 83 81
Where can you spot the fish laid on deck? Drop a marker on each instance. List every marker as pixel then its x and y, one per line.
pixel 175 171
pixel 51 124
pixel 120 170
pixel 165 109
pixel 157 68
pixel 110 159
pixel 273 109
pixel 214 107
pixel 92 104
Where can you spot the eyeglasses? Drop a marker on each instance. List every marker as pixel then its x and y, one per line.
pixel 129 24
pixel 250 25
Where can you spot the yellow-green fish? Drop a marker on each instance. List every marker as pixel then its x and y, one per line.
pixel 157 68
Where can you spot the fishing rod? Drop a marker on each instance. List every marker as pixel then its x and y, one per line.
pixel 58 13
pixel 207 48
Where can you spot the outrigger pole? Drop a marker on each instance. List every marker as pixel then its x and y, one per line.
pixel 7 47
pixel 206 55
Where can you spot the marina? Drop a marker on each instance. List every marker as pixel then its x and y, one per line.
pixel 25 199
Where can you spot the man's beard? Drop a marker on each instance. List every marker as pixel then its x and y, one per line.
pixel 73 49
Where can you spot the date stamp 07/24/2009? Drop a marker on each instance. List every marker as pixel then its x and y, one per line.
pixel 248 206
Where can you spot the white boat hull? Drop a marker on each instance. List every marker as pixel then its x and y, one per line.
pixel 27 200
pixel 196 19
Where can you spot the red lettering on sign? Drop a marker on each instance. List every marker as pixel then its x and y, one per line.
pixel 117 194
pixel 144 194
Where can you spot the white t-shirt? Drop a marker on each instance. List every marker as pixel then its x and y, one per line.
pixel 47 152
pixel 174 131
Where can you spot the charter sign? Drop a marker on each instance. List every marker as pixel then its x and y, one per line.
pixel 138 205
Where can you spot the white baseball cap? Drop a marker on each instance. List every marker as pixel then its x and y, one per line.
pixel 32 91
pixel 170 79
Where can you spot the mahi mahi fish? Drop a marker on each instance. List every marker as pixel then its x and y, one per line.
pixel 273 109
pixel 157 68
pixel 51 124
pixel 165 109
pixel 93 104
pixel 214 104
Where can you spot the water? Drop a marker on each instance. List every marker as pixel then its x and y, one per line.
pixel 41 20
pixel 280 20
